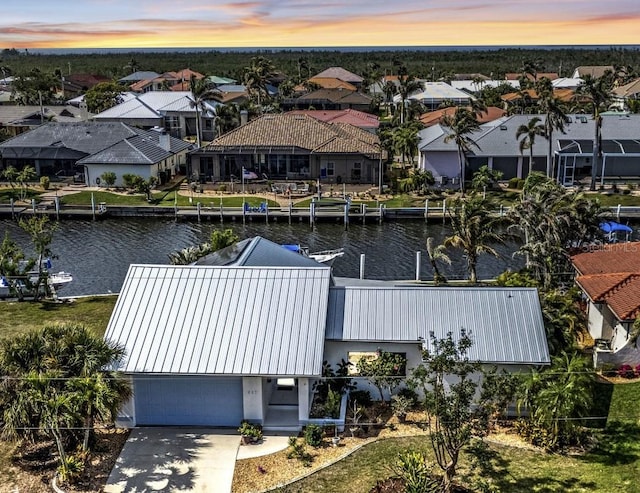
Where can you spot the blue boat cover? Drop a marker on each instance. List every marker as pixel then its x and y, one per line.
pixel 612 226
pixel 293 248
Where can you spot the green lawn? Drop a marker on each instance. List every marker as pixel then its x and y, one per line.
pixel 163 199
pixel 612 467
pixel 20 317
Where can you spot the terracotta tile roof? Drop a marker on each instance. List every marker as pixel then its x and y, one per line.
pixel 435 117
pixel 611 275
pixel 351 116
pixel 594 71
pixel 337 96
pixel 562 94
pixel 298 131
pixel 611 258
pixel 540 75
pixel 630 89
pixel 332 83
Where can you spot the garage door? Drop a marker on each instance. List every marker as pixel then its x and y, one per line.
pixel 206 401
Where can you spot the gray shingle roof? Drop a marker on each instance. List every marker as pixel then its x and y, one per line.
pixel 505 323
pixel 134 150
pixel 222 320
pixel 140 75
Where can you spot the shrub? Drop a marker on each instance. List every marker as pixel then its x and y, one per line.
pixel 520 184
pixel 362 397
pixel 414 470
pixel 297 451
pixel 401 405
pixel 409 394
pixel 108 178
pixel 332 404
pixel 222 188
pixel 129 180
pixel 513 182
pixel 247 429
pixel 45 182
pixel 626 192
pixel 70 469
pixel 313 435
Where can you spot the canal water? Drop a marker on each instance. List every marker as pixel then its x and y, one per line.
pixel 98 253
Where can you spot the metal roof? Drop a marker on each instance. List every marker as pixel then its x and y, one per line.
pixel 505 323
pixel 222 320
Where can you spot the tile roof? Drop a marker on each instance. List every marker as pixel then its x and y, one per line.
pixel 133 150
pixel 340 73
pixel 337 96
pixel 298 131
pixel 349 115
pixel 141 75
pixel 628 90
pixel 332 83
pixel 562 94
pixel 592 70
pixel 611 258
pixel 434 117
pixel 620 291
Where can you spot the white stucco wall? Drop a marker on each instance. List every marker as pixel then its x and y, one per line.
pixel 94 171
pixel 596 322
pixel 252 399
pixel 303 399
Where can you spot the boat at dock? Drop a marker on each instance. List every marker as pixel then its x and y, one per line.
pixel 324 256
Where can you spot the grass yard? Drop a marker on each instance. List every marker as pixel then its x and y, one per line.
pixel 19 317
pixel 613 466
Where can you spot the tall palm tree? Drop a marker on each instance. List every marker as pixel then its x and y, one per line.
pixel 473 231
pixel 529 132
pixel 389 89
pixel 201 92
pixel 407 84
pixel 460 126
pixel 597 93
pixel 437 254
pixel 256 76
pixel 405 142
pixel 555 118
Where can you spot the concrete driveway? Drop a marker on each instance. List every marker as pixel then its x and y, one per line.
pixel 175 459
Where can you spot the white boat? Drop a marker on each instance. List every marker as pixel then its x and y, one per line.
pixel 57 280
pixel 323 257
pixel 326 256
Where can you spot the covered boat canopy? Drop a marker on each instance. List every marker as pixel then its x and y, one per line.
pixel 612 227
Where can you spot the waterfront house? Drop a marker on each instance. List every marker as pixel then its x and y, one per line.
pixel 434 94
pixel 213 345
pixel 88 149
pixel 329 99
pixel 294 147
pixel 609 277
pixel 360 119
pixel 572 150
pixel 174 111
pixel 340 74
pixel 16 119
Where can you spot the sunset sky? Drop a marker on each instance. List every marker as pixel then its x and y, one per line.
pixel 307 23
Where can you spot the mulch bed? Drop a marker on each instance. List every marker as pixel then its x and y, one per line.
pixel 34 465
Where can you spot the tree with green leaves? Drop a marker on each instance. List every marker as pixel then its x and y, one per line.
pixel 555 117
pixel 405 142
pixel 556 398
pixel 384 370
pixel 256 77
pixel 596 93
pixel 34 88
pixel 108 178
pixel 457 413
pixel 222 238
pixel 474 230
pixel 459 127
pixel 219 239
pixel 103 96
pixel 41 231
pixel 437 254
pixel 201 92
pixel 485 178
pixel 529 132
pixel 59 382
pixel 12 257
pixel 407 85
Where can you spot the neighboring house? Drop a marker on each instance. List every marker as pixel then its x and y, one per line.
pixel 434 117
pixel 78 84
pixel 138 76
pixel 329 99
pixel 609 277
pixel 567 83
pixel 295 147
pixel 340 74
pixel 16 119
pixel 216 80
pixel 168 81
pixel 365 121
pixel 231 93
pixel 626 95
pixel 173 111
pixel 539 75
pixel 475 85
pixel 434 94
pixel 326 83
pixel 215 345
pixel 527 97
pixel 91 148
pixel 572 150
pixel 595 71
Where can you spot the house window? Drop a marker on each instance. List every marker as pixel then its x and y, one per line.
pixel 355 356
pixel 331 169
pixel 172 121
pixel 356 172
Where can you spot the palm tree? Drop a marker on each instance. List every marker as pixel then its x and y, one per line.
pixel 40 230
pixel 407 84
pixel 597 93
pixel 389 89
pixel 256 76
pixel 460 126
pixel 405 142
pixel 529 132
pixel 437 254
pixel 201 92
pixel 555 118
pixel 473 231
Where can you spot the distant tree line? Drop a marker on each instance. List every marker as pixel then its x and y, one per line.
pixel 300 64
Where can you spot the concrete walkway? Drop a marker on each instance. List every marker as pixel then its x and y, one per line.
pixel 175 459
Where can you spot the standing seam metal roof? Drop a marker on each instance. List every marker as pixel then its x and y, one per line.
pixel 222 320
pixel 505 323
